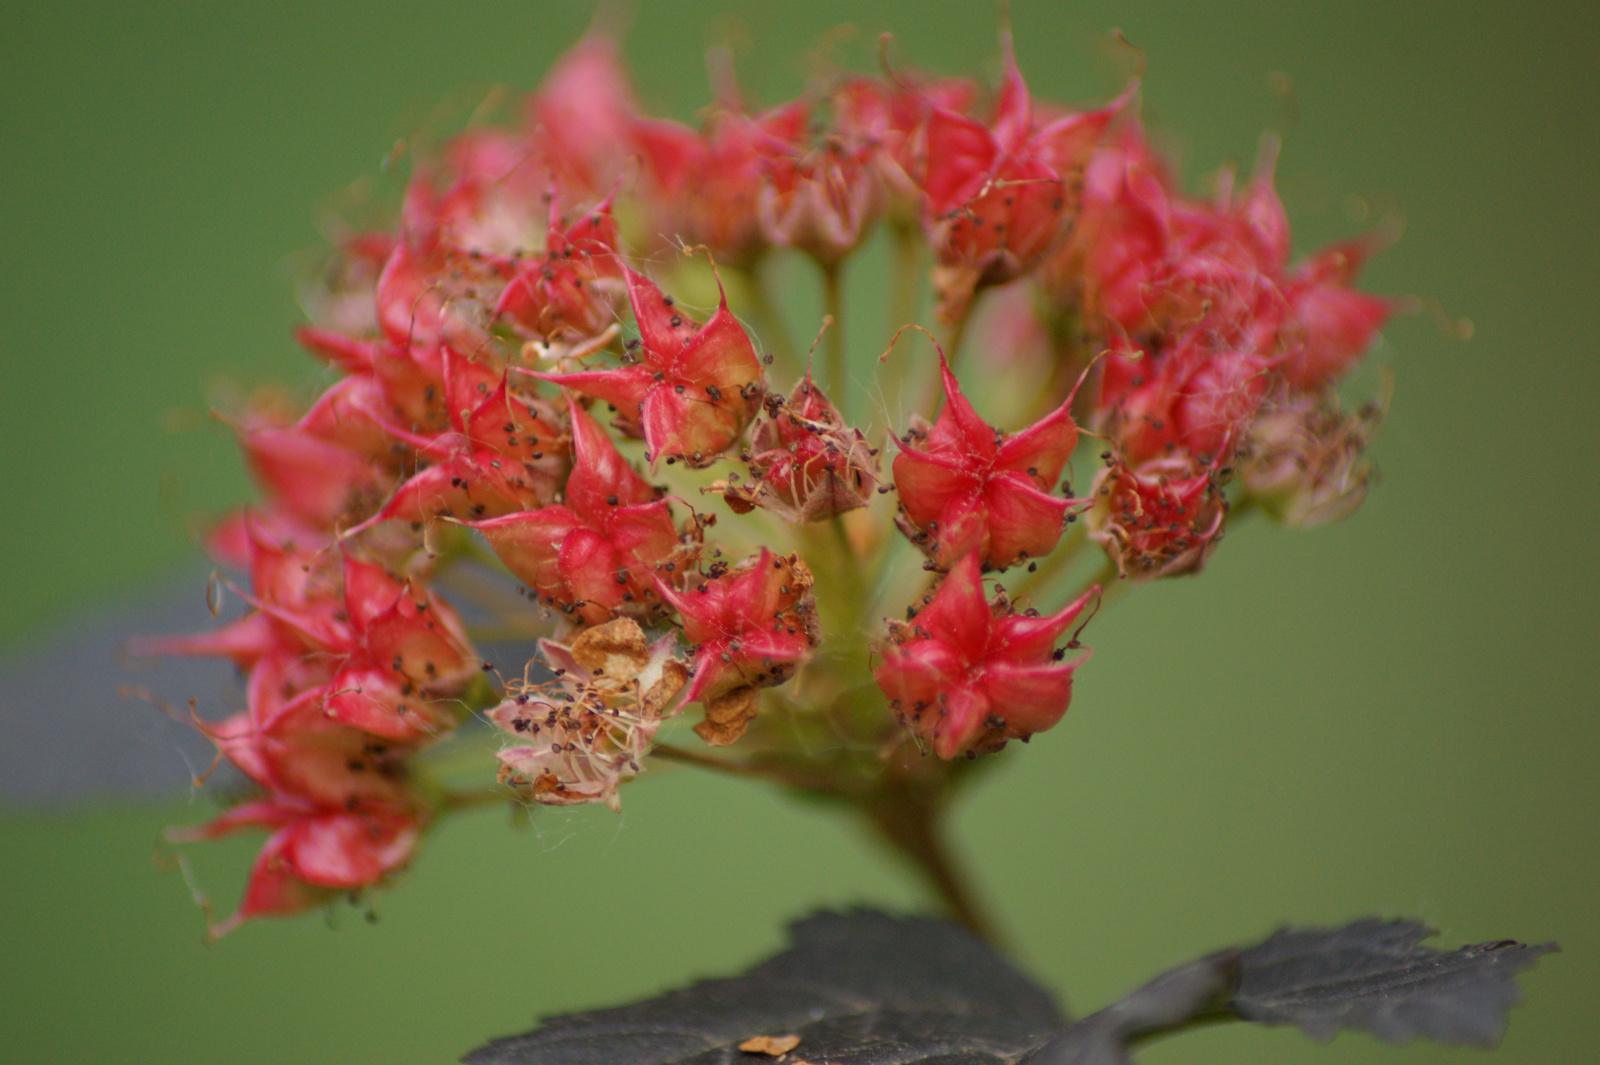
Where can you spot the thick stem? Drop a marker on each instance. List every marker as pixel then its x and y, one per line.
pixel 906 814
pixel 913 826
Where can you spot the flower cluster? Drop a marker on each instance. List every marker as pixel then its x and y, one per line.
pixel 534 341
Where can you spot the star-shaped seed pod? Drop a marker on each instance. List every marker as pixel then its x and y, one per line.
pixel 967 674
pixel 691 388
pixel 597 553
pixel 748 628
pixel 967 487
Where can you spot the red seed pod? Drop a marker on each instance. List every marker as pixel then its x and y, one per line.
pixel 314 853
pixel 751 628
pixel 703 186
pixel 694 387
pixel 999 196
pixel 599 552
pixel 966 674
pixel 967 487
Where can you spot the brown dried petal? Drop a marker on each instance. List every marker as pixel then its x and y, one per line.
pixel 616 650
pixel 727 716
pixel 659 695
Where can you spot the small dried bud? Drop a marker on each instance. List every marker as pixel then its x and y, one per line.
pixel 806 463
pixel 1160 520
pixel 1305 462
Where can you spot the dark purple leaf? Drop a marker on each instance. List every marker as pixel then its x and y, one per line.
pixel 1372 975
pixel 858 989
pixel 869 989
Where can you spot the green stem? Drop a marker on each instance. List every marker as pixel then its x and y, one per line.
pixel 904 300
pixel 788 776
pixel 906 294
pixel 958 333
pixel 769 323
pixel 907 814
pixel 833 307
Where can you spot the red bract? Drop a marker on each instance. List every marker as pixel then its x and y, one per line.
pixel 313 854
pixel 889 119
pixel 583 113
pixel 805 464
pixel 967 487
pixel 1160 519
pixel 968 674
pixel 692 388
pixel 505 452
pixel 747 628
pixel 997 196
pixel 704 184
pixel 600 552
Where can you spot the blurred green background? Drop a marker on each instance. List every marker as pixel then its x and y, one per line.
pixel 1394 715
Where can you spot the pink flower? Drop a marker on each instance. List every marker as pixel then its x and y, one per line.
pixel 967 675
pixel 967 487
